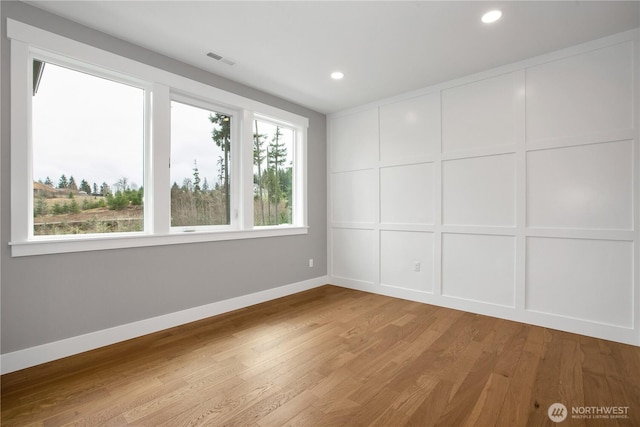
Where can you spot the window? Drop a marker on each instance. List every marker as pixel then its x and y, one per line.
pixel 200 166
pixel 87 142
pixel 273 180
pixel 108 153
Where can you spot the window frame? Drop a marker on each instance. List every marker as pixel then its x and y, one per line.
pixel 77 66
pixel 193 101
pixel 161 87
pixel 296 178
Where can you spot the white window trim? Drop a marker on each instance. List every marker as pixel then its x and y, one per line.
pixel 26 39
pixel 236 193
pixel 299 179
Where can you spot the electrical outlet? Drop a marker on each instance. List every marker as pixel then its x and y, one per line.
pixel 416 266
pixel 310 262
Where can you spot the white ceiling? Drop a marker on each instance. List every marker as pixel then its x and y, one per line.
pixel 384 47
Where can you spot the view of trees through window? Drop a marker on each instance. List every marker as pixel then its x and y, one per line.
pixel 200 166
pixel 88 142
pixel 88 156
pixel 273 153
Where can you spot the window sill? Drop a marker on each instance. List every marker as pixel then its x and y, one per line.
pixel 127 240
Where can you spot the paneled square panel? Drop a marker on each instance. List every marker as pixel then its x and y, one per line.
pixel 406 194
pixel 582 94
pixel 406 259
pixel 582 279
pixel 354 141
pixel 410 128
pixel 353 196
pixel 479 191
pixel 481 114
pixel 589 187
pixel 479 268
pixel 353 254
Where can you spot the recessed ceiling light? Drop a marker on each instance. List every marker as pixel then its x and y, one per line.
pixel 337 75
pixel 491 16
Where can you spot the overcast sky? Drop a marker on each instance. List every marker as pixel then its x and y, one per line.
pixel 191 141
pixel 86 127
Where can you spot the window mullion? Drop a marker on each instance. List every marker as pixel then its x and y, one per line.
pixel 158 175
pixel 246 195
pixel 300 178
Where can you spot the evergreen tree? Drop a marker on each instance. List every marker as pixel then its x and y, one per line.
pixel 72 184
pixel 221 135
pixel 84 186
pixel 221 171
pixel 196 177
pixel 48 182
pixel 74 207
pixel 40 207
pixel 95 188
pixel 278 155
pixel 258 158
pixel 62 182
pixel 104 189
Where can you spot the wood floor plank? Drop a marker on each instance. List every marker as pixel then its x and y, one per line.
pixel 374 408
pixel 310 416
pixel 331 356
pixel 461 399
pixel 546 385
pixel 284 413
pixel 623 367
pixel 110 411
pixel 269 404
pixel 430 410
pixel 571 384
pixel 489 402
pixel 411 398
pixel 516 407
pixel 215 407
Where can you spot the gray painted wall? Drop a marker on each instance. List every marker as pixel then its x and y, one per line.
pixel 51 297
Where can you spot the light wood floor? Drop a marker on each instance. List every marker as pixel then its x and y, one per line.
pixel 331 357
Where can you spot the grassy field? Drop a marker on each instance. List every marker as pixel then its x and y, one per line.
pixel 64 211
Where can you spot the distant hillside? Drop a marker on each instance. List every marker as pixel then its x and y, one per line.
pixel 38 186
pixel 47 191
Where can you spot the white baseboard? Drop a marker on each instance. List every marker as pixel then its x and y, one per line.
pixel 33 356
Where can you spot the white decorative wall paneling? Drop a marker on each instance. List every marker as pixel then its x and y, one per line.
pixel 406 260
pixel 482 113
pixel 513 192
pixel 406 194
pixel 410 130
pixel 358 149
pixel 479 268
pixel 585 187
pixel 479 191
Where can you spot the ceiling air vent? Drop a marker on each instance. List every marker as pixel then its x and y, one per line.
pixel 220 58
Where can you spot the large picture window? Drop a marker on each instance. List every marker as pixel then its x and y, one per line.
pixel 107 153
pixel 87 142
